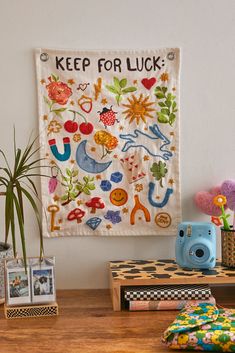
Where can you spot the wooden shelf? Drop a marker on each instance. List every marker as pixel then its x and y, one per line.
pixel 160 272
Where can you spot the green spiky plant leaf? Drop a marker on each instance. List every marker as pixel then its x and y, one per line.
pixel 17 184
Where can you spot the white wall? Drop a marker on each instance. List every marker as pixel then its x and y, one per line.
pixel 204 29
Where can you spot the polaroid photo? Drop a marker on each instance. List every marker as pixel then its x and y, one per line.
pixel 18 286
pixel 43 284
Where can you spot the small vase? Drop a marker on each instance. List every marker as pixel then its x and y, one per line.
pixel 228 247
pixel 6 251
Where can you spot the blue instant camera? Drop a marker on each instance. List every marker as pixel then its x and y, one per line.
pixel 195 245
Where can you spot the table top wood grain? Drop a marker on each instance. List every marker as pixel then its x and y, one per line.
pixel 87 323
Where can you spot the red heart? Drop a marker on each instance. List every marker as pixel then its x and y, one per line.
pixel 148 82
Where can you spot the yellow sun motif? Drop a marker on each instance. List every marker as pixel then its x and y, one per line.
pixel 138 109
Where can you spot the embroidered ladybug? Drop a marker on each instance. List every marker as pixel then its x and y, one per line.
pixel 108 117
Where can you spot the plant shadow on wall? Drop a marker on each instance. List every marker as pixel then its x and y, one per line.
pixel 17 186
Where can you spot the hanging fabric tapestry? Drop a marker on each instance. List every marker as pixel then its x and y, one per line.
pixel 109 130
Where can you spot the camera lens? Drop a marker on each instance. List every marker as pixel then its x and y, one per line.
pixel 181 234
pixel 199 252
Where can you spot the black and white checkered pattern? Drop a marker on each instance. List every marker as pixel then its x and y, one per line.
pixel 172 292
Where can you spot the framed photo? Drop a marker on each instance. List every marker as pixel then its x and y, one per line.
pixel 34 286
pixel 18 286
pixel 43 284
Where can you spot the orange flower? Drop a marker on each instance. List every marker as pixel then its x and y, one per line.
pixel 216 221
pixel 164 77
pixel 220 200
pixel 59 92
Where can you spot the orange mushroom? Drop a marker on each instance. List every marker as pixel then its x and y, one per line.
pixel 77 214
pixel 95 203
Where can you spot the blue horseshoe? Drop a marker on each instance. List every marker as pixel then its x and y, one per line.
pixel 67 149
pixel 164 201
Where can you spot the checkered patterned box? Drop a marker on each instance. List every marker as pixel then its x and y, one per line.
pixel 172 292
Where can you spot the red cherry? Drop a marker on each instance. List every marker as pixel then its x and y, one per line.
pixel 71 126
pixel 86 128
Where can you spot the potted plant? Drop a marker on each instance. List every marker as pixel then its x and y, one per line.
pixel 214 203
pixel 17 186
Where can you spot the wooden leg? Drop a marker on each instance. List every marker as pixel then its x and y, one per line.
pixel 116 297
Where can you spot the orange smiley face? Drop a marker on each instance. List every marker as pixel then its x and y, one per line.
pixel 118 197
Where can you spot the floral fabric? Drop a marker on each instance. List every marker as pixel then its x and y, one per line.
pixel 203 327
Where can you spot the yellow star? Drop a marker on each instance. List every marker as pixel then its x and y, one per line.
pixel 104 101
pixel 108 226
pixel 42 81
pixel 79 202
pixel 72 103
pixel 157 197
pixel 164 77
pixel 71 81
pixel 60 220
pixel 172 133
pixel 125 210
pixel 45 117
pixel 173 148
pixel 72 161
pixel 47 155
pixel 93 149
pixel 173 89
pixel 146 128
pixel 139 218
pixel 52 162
pixel 56 198
pixel 146 158
pixel 171 182
pixel 121 128
pixel 135 82
pixel 98 177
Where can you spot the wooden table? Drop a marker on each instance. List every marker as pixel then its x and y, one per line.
pixel 87 323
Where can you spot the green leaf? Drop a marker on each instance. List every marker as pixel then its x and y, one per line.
pixel 47 101
pixel 159 95
pixel 161 104
pixel 129 89
pixel 123 83
pixel 162 118
pixel 73 195
pixel 158 89
pixel 116 83
pixel 20 198
pixel 168 103
pixel 171 118
pixel 86 179
pixel 164 89
pixel 59 110
pixel 174 105
pixel 86 191
pixel 118 98
pixel 74 173
pixel 79 187
pixel 38 218
pixel 165 111
pixel 55 78
pixel 8 209
pixel 91 186
pixel 58 114
pixel 64 198
pixel 112 89
pixel 21 227
pixel 68 172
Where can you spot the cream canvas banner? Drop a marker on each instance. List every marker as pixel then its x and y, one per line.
pixel 109 130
